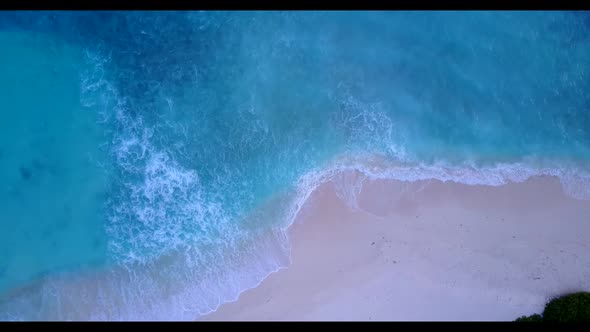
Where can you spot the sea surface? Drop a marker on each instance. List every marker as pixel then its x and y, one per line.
pixel 151 162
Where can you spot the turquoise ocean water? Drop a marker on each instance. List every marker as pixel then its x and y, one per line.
pixel 151 161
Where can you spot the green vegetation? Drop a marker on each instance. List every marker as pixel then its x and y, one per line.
pixel 571 308
pixel 532 318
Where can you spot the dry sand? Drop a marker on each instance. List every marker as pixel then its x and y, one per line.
pixel 427 251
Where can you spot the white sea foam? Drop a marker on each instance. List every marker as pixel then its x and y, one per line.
pixel 575 182
pixel 178 253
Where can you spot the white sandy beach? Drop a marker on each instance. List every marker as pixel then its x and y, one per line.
pixel 427 251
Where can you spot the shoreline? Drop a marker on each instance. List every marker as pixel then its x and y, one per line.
pixel 399 220
pixel 425 250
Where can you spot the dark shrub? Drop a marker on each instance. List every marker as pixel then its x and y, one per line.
pixel 531 318
pixel 573 308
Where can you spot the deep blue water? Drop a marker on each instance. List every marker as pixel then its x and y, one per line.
pixel 140 151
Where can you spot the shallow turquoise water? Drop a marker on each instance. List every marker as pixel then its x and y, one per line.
pixel 53 187
pixel 147 146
